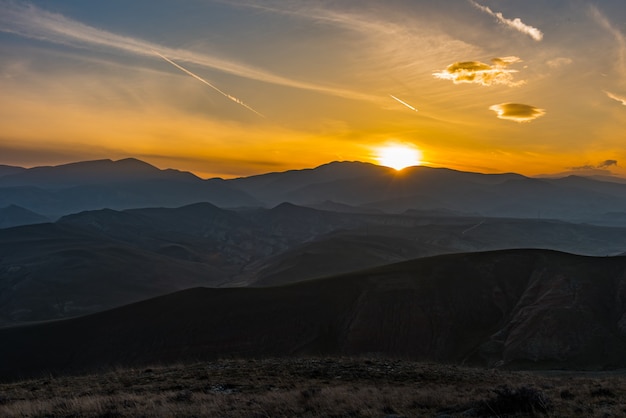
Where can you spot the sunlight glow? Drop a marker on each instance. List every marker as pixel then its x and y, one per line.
pixel 399 156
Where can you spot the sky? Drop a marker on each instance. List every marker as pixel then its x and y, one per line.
pixel 236 88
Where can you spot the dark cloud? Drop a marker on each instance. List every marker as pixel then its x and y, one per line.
pixel 583 167
pixel 480 73
pixel 607 163
pixel 602 165
pixel 517 112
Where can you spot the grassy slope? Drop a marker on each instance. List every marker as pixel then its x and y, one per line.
pixel 315 387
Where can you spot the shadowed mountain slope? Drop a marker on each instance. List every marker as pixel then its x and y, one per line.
pixel 386 239
pixel 15 216
pixel 47 270
pixel 54 270
pixel 515 308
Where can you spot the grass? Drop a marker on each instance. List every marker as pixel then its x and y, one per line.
pixel 314 387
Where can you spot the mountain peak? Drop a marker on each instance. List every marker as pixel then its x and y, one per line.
pixel 92 172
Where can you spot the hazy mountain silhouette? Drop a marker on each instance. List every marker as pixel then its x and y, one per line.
pixel 13 215
pixel 426 188
pixel 275 188
pixel 514 308
pixel 92 172
pixel 350 187
pixel 130 183
pixel 10 169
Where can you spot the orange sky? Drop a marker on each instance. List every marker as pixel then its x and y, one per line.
pixel 470 86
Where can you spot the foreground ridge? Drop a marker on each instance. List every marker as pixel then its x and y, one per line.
pixel 361 387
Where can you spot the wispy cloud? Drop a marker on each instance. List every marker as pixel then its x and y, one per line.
pixel 517 112
pixel 480 73
pixel 615 97
pixel 29 21
pixel 607 163
pixel 515 24
pixel 604 165
pixel 559 62
pixel 620 38
pixel 388 40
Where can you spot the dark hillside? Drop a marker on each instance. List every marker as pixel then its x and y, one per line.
pixel 517 308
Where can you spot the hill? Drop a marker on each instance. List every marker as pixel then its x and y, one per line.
pixel 15 216
pixel 515 309
pixel 47 270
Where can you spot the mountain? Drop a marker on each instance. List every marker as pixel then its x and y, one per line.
pixel 130 183
pixel 349 187
pixel 391 238
pixel 15 216
pixel 141 253
pixel 57 270
pixel 275 188
pixel 9 169
pixel 92 172
pixel 513 308
pixel 424 188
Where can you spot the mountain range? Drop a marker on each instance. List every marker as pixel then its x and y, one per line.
pixel 130 183
pixel 96 260
pixel 119 262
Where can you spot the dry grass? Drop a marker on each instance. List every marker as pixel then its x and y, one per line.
pixel 316 387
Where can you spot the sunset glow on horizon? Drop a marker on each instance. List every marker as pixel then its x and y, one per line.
pixel 233 89
pixel 399 156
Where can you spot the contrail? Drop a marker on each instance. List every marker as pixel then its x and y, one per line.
pixel 473 227
pixel 403 102
pixel 197 77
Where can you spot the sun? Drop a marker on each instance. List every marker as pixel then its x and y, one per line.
pixel 399 156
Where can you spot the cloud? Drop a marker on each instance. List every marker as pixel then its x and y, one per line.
pixel 517 112
pixel 583 167
pixel 620 38
pixel 607 163
pixel 34 23
pixel 515 24
pixel 480 73
pixel 615 97
pixel 601 168
pixel 559 62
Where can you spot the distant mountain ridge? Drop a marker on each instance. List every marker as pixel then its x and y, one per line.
pixel 424 188
pixel 91 172
pixel 131 183
pixel 124 184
